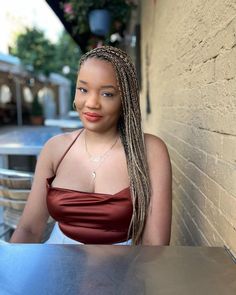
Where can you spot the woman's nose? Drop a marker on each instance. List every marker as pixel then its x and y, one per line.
pixel 93 101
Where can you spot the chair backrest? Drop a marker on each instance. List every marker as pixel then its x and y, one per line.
pixel 15 187
pixel 13 179
pixel 14 191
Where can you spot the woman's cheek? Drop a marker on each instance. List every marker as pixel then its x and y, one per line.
pixel 79 102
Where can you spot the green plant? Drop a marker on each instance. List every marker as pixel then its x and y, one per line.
pixel 77 12
pixel 37 108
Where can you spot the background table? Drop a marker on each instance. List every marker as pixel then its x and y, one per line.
pixel 95 270
pixel 24 141
pixel 64 124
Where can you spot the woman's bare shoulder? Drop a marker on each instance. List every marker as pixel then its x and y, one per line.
pixel 55 147
pixel 154 144
pixel 157 152
pixel 60 142
pixel 63 137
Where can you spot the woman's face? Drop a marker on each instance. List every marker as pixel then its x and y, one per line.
pixel 97 96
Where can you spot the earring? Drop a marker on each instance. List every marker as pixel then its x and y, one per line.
pixel 74 106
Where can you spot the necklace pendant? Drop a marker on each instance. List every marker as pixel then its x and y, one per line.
pixel 95 159
pixel 94 175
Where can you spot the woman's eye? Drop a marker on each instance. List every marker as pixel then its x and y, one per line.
pixel 108 94
pixel 81 89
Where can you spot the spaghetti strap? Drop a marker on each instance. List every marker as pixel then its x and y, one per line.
pixel 66 151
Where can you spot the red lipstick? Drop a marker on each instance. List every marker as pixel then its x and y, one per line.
pixel 92 117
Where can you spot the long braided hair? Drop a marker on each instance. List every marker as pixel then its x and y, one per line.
pixel 131 134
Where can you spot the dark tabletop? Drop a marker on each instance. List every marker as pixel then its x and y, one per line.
pixel 86 269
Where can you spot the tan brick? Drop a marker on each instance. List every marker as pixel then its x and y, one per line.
pixel 191 190
pixel 229 38
pixel 217 115
pixel 231 239
pixel 223 173
pixel 228 206
pixel 225 66
pixel 180 231
pixel 194 181
pixel 199 237
pixel 192 75
pixel 216 144
pixel 219 96
pixel 217 120
pixel 189 152
pixel 200 75
pixel 229 149
pixel 185 236
pixel 213 42
pixel 202 220
pixel 204 217
pixel 222 225
pixel 204 140
pixel 176 230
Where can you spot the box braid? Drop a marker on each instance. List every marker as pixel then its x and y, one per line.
pixel 131 134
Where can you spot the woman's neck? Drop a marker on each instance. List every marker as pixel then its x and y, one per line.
pixel 101 138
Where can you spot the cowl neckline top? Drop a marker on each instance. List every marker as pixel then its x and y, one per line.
pixel 90 217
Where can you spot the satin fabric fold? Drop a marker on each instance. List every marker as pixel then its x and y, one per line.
pixel 91 218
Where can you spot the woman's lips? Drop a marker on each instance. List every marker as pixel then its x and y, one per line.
pixel 92 117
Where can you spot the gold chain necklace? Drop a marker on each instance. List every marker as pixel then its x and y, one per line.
pixel 98 158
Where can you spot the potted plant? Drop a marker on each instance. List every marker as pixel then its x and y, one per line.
pixel 99 21
pixel 36 112
pixel 77 12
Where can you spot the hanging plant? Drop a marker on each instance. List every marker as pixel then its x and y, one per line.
pixel 76 12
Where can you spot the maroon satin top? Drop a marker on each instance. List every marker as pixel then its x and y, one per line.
pixel 90 218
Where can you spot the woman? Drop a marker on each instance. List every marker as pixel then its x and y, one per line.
pixel 107 183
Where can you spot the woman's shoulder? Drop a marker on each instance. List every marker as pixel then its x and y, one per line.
pixel 154 142
pixel 59 142
pixel 63 138
pixel 157 155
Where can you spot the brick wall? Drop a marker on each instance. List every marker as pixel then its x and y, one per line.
pixel 189 57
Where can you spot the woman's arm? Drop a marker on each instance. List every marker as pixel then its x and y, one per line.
pixel 35 215
pixel 158 224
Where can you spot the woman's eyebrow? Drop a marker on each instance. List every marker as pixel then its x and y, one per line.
pixel 108 86
pixel 84 82
pixel 103 86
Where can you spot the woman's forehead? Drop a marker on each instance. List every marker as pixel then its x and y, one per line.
pixel 94 67
pixel 97 62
